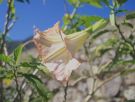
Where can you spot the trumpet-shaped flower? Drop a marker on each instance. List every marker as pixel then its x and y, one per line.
pixel 57 50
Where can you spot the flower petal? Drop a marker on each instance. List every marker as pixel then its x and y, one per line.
pixel 62 71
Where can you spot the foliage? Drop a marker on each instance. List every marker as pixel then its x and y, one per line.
pixel 13 68
pixel 116 40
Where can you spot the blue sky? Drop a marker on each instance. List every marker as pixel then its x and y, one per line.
pixel 45 15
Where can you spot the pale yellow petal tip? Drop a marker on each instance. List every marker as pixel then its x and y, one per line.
pixel 57 24
pixel 56 27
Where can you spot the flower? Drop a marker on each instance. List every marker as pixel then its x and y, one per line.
pixel 57 50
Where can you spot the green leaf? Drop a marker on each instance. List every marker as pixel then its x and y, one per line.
pixel 94 36
pixel 29 64
pixel 5 58
pixel 119 3
pixel 130 101
pixel 66 19
pixel 99 24
pixel 106 46
pixel 35 65
pixel 89 20
pixel 6 73
pixel 130 16
pixel 12 8
pixel 106 2
pixel 121 11
pixel 40 87
pixel 96 3
pixel 125 49
pixel 17 53
pixel 73 2
pixel 126 62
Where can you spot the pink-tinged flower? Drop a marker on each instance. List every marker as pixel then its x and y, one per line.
pixel 56 50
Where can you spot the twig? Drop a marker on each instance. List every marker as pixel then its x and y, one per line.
pixel 91 70
pixel 72 15
pixel 17 85
pixel 89 97
pixel 6 25
pixel 23 85
pixel 3 48
pixel 123 37
pixel 65 91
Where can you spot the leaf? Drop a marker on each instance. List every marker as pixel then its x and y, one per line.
pixel 130 16
pixel 94 36
pixel 125 49
pixel 119 3
pixel 17 53
pixel 5 58
pixel 45 70
pixel 96 3
pixel 6 73
pixel 12 8
pixel 106 46
pixel 126 62
pixel 29 64
pixel 99 24
pixel 73 2
pixel 36 65
pixel 106 2
pixel 89 20
pixel 128 71
pixel 40 87
pixel 7 82
pixel 130 101
pixel 121 11
pixel 66 19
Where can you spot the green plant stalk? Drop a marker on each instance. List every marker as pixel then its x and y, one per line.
pixel 3 48
pixel 17 85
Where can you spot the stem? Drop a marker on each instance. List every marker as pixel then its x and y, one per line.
pixel 103 83
pixel 6 25
pixel 123 37
pixel 17 86
pixel 65 91
pixel 72 15
pixel 3 48
pixel 91 70
pixel 23 85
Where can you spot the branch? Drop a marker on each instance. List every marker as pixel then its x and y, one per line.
pixel 23 85
pixel 65 91
pixel 17 86
pixel 72 15
pixel 90 96
pixel 6 25
pixel 3 48
pixel 123 37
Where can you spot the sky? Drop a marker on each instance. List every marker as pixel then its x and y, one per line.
pixel 44 15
